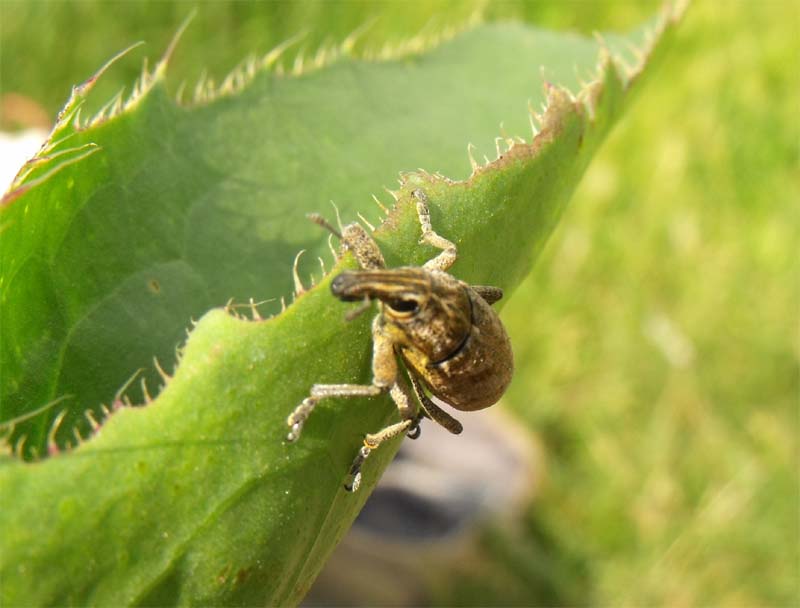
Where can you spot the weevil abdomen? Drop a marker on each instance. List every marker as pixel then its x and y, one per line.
pixel 477 372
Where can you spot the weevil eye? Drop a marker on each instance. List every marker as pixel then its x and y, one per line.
pixel 403 306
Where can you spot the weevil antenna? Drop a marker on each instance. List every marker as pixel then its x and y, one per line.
pixel 321 221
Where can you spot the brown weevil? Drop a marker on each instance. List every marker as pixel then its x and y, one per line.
pixel 451 342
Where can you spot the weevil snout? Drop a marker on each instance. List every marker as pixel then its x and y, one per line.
pixel 431 311
pixel 347 288
pixel 403 292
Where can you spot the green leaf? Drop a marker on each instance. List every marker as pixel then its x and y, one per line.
pixel 128 226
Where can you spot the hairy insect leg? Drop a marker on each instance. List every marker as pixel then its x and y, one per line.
pixel 401 395
pixel 357 240
pixel 384 375
pixel 371 443
pixel 298 417
pixel 449 253
pixel 404 400
pixel 363 246
pixel 434 412
pixel 354 474
pixel 488 293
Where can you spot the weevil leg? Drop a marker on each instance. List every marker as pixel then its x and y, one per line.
pixel 354 474
pixel 488 293
pixel 415 430
pixel 433 411
pixel 357 240
pixel 373 440
pixel 409 424
pixel 401 395
pixel 384 376
pixel 363 246
pixel 449 253
pixel 298 417
pixel 371 443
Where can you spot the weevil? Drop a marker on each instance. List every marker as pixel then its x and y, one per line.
pixel 451 342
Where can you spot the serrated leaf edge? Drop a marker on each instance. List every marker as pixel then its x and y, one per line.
pixel 559 102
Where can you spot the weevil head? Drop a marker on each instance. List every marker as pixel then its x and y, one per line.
pixel 425 311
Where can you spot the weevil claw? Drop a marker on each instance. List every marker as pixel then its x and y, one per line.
pixel 294 434
pixel 355 469
pixel 353 485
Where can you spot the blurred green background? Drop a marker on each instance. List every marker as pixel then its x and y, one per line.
pixel 657 340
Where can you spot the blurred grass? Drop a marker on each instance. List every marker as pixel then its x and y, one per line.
pixel 659 358
pixel 657 340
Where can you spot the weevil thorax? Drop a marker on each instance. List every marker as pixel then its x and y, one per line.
pixel 427 311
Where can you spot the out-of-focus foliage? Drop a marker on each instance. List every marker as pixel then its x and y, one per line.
pixel 223 33
pixel 657 344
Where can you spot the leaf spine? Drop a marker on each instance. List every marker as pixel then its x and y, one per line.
pixel 472 162
pixel 93 423
pixel 52 447
pixel 363 219
pixel 299 289
pixel 147 398
pixel 164 375
pixel 380 204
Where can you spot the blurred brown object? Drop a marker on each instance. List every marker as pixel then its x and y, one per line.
pixel 18 112
pixel 427 511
